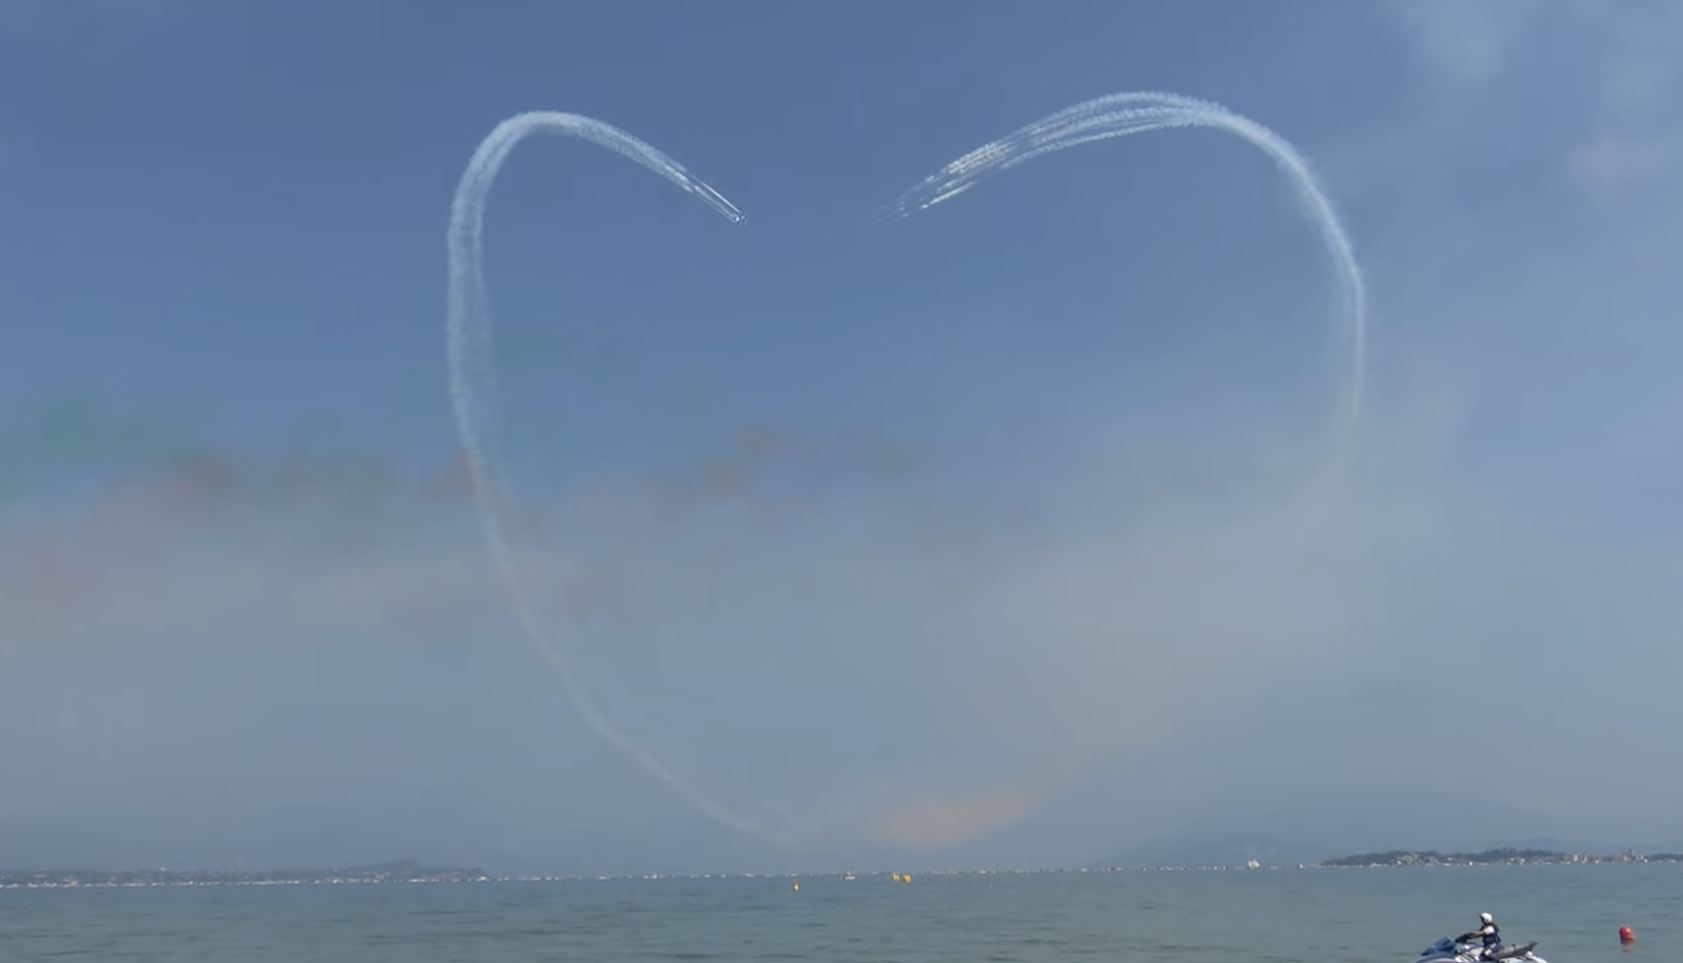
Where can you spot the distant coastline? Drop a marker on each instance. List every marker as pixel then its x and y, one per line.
pixel 409 871
pixel 397 871
pixel 1494 857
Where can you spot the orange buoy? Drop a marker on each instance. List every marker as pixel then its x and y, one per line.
pixel 1626 936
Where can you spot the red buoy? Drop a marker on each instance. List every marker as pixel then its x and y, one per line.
pixel 1626 936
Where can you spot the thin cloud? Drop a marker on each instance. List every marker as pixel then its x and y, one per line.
pixel 1611 166
pixel 1466 42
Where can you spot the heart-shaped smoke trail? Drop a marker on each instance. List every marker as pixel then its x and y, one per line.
pixel 473 386
pixel 1119 115
pixel 472 374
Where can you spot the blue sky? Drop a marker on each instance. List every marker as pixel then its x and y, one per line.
pixel 957 539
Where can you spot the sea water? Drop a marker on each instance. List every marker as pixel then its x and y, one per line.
pixel 1234 916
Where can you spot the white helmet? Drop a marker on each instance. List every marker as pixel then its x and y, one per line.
pixel 1486 918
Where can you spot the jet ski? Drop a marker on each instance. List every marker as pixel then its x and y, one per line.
pixel 1447 950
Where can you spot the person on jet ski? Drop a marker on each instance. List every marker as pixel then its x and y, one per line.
pixel 1488 933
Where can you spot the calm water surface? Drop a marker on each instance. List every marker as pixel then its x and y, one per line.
pixel 1264 916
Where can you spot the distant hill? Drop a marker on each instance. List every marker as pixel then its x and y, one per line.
pixel 1503 856
pixel 1236 850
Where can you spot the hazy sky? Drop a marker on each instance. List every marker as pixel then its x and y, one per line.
pixel 966 539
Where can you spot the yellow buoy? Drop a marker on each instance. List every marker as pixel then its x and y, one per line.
pixel 797 886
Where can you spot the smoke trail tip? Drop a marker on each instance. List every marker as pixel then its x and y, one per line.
pixel 885 214
pixel 715 200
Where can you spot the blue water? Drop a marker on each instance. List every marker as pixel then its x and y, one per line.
pixel 1262 916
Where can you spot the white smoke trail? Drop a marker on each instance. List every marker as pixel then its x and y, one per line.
pixel 472 375
pixel 1119 115
pixel 473 386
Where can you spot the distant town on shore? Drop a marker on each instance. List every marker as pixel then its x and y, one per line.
pixel 397 871
pixel 1503 856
